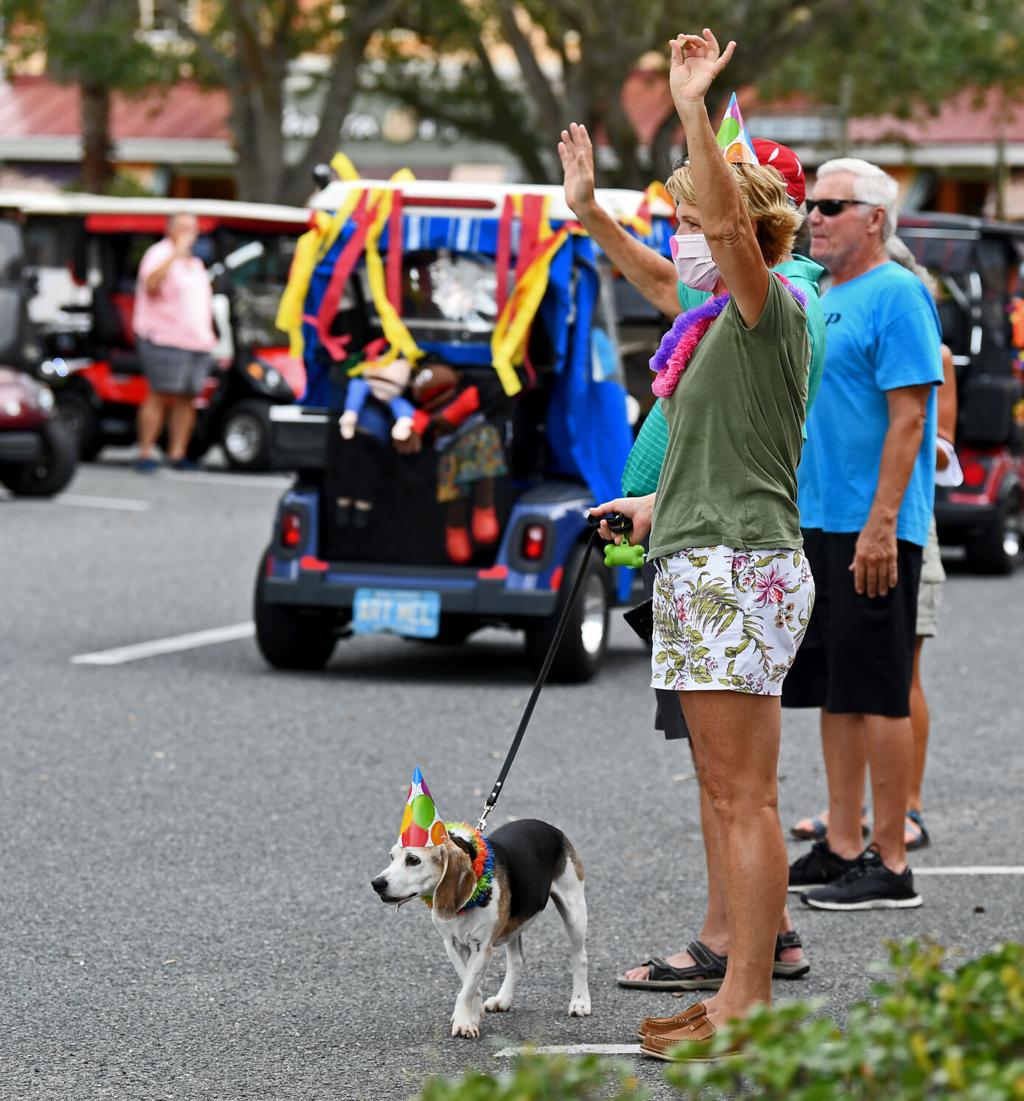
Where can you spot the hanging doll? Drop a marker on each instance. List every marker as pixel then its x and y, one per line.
pixel 366 459
pixel 471 457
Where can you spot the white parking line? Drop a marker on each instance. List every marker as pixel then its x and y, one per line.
pixel 570 1049
pixel 973 869
pixel 172 645
pixel 265 481
pixel 118 504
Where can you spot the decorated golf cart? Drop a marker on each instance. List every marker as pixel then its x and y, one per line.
pixel 465 404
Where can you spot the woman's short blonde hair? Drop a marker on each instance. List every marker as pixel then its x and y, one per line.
pixel 764 195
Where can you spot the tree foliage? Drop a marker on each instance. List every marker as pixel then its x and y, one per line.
pixel 249 49
pixel 94 44
pixel 573 56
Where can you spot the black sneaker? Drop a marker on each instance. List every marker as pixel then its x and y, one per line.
pixel 869 885
pixel 818 868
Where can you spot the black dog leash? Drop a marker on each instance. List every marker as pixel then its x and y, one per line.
pixel 619 524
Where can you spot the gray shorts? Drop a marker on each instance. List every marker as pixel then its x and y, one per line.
pixel 173 370
pixel 929 593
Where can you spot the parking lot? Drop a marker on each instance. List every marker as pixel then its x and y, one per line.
pixel 189 837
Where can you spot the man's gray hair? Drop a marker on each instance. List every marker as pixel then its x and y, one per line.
pixel 896 249
pixel 870 185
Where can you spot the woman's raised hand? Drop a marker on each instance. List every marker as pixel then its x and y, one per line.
pixel 696 61
pixel 577 156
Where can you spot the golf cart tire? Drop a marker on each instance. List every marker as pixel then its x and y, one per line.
pixel 291 637
pixel 48 474
pixel 75 411
pixel 987 553
pixel 252 415
pixel 575 661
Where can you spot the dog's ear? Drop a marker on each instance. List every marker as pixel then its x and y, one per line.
pixel 457 882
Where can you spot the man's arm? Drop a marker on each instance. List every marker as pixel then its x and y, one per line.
pixel 153 280
pixel 874 564
pixel 653 275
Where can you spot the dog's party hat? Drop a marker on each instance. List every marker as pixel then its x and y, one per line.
pixel 421 824
pixel 733 138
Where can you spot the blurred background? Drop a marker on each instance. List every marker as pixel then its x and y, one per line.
pixel 241 99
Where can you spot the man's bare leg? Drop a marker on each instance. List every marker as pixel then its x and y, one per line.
pixel 149 421
pixel 920 722
pixel 183 419
pixel 890 748
pixel 845 752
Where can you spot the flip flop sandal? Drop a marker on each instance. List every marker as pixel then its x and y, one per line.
pixel 706 972
pixel 797 968
pixel 915 836
pixel 814 829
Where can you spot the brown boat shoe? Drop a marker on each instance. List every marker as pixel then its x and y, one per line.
pixel 700 1030
pixel 658 1025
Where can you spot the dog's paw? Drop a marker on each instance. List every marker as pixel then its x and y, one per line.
pixel 579 1005
pixel 498 1004
pixel 463 1026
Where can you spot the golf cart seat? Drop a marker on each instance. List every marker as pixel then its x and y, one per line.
pixel 112 330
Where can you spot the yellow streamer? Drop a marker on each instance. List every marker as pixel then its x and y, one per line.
pixel 289 310
pixel 344 168
pixel 511 330
pixel 395 331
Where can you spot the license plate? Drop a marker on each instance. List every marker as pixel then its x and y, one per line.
pixel 400 611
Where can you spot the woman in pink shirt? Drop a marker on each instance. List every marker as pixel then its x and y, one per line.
pixel 174 335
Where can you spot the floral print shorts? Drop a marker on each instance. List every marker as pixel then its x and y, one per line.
pixel 729 620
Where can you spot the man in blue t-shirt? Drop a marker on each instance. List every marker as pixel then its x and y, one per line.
pixel 866 495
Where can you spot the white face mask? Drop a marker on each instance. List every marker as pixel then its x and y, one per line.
pixel 694 263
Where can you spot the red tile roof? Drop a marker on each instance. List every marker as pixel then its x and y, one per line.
pixel 960 120
pixel 34 106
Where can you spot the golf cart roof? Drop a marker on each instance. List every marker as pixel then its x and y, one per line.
pixel 485 200
pixel 960 225
pixel 112 214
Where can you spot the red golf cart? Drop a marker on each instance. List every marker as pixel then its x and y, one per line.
pixel 84 251
pixel 977 263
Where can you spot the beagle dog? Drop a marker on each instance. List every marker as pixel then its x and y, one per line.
pixel 484 892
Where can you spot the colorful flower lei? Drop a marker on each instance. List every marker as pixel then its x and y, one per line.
pixel 680 342
pixel 483 867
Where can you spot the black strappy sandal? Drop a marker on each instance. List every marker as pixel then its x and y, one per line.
pixel 706 972
pixel 798 968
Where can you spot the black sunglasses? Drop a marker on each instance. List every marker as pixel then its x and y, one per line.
pixel 831 207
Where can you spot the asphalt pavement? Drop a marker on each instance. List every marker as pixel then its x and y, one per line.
pixel 188 837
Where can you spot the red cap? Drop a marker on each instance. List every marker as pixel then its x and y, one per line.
pixel 786 163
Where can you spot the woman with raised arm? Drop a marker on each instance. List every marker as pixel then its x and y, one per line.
pixel 733 592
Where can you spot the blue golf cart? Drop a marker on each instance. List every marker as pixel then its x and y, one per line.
pixel 481 322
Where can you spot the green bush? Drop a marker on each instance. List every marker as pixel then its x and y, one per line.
pixel 542 1078
pixel 928 1033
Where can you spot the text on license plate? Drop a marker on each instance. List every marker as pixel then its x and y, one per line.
pixel 402 611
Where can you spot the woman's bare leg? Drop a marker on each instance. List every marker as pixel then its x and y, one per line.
pixel 736 745
pixel 714 931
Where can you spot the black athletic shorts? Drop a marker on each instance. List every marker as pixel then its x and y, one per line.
pixel 857 656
